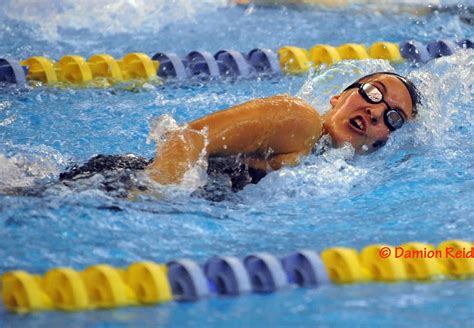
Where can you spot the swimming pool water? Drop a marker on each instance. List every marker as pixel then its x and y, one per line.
pixel 419 187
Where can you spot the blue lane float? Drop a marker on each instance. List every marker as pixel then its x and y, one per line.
pixel 441 48
pixel 171 66
pixel 466 44
pixel 414 51
pixel 233 63
pixel 305 269
pixel 187 280
pixel 202 63
pixel 264 61
pixel 266 272
pixel 260 272
pixel 227 275
pixel 12 72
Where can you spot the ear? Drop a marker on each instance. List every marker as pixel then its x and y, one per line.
pixel 334 100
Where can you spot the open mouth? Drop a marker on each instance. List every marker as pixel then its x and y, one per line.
pixel 358 124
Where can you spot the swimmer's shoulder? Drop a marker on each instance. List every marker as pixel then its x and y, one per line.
pixel 292 103
pixel 268 109
pixel 295 125
pixel 297 109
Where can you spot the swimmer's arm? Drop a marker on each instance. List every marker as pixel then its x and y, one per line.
pixel 176 155
pixel 279 128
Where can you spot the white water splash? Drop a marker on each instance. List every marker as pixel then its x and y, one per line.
pixel 329 81
pixel 29 165
pixel 159 127
pixel 104 16
pixel 447 87
pixel 325 175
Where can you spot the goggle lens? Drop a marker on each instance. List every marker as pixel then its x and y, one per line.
pixel 372 93
pixel 393 119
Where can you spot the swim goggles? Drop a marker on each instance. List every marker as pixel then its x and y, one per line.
pixel 392 116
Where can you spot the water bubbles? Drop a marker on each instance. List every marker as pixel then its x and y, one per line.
pixel 28 165
pixel 330 81
pixel 445 85
pixel 160 126
pixel 5 105
pixel 111 17
pixel 318 177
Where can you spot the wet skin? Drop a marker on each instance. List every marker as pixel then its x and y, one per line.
pixel 277 131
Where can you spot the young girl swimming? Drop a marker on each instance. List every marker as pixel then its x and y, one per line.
pixel 245 142
pixel 267 134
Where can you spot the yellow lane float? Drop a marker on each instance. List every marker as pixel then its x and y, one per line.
pixel 382 268
pixel 458 259
pixel 294 60
pixel 22 292
pixel 40 69
pixel 343 265
pixel 324 54
pixel 74 69
pixel 421 267
pixel 105 66
pixel 353 51
pixel 386 50
pixel 138 66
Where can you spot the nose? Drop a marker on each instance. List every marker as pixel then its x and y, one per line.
pixel 376 114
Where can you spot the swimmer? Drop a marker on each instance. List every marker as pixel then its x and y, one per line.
pixel 266 134
pixel 245 142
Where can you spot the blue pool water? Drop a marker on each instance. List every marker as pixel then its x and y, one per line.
pixel 419 187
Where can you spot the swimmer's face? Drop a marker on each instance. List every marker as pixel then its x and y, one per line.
pixel 354 120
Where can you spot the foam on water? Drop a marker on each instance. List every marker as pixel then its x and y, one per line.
pixel 447 88
pixel 106 17
pixel 325 82
pixel 24 166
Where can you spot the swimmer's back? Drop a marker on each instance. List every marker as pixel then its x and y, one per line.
pixel 119 176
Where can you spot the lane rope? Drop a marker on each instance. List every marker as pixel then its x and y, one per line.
pixel 142 283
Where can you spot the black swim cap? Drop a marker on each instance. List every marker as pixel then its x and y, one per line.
pixel 412 90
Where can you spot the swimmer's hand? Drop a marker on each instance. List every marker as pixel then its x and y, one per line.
pixel 272 132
